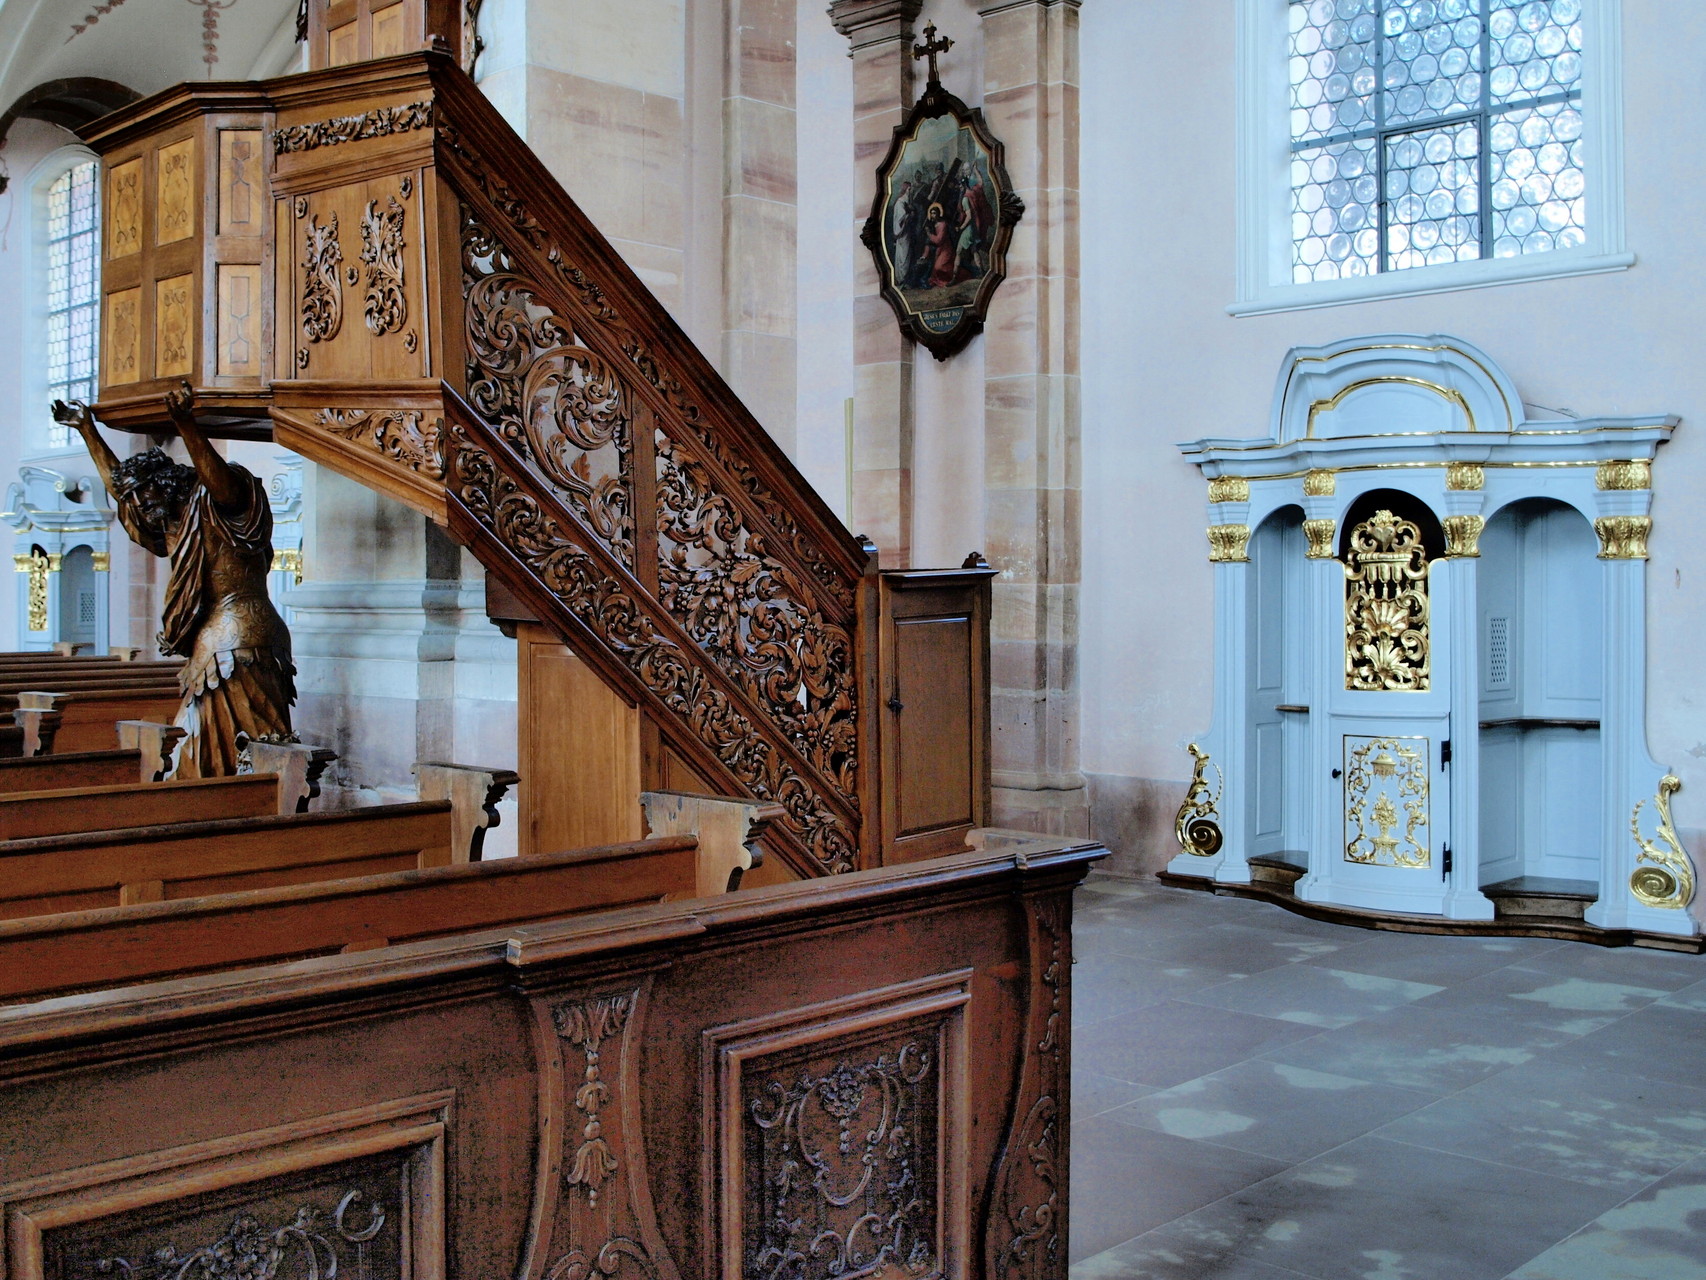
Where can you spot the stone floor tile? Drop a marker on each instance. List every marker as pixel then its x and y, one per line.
pixel 1171 1042
pixel 1660 1042
pixel 1288 1113
pixel 1380 1209
pixel 1691 997
pixel 1425 957
pixel 1094 1093
pixel 1314 996
pixel 1414 1047
pixel 1127 1180
pixel 1166 1254
pixel 1541 997
pixel 1593 1126
pixel 1636 966
pixel 1107 984
pixel 1236 949
pixel 1656 1235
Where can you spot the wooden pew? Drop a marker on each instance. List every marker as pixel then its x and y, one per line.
pixel 123 945
pixel 184 860
pixel 87 715
pixel 29 814
pixel 74 769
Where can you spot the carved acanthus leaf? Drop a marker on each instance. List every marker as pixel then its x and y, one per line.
pixel 402 434
pixel 387 306
pixel 381 122
pixel 322 291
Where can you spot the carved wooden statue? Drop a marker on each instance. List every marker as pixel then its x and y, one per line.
pixel 212 519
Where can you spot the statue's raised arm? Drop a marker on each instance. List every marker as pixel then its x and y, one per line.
pixel 76 415
pixel 222 482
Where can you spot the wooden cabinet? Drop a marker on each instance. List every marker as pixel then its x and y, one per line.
pixel 934 708
pixel 186 271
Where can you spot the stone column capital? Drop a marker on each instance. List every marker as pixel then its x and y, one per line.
pixel 867 22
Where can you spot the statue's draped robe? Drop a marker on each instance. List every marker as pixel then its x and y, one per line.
pixel 238 673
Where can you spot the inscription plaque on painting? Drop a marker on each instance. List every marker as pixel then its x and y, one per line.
pixel 943 217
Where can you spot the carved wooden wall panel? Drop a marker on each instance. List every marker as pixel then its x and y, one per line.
pixel 243 200
pixel 239 320
pixel 174 326
pixel 838 1133
pixel 175 190
pixel 123 337
pixel 124 209
pixel 356 1194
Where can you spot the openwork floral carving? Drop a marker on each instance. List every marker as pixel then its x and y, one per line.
pixel 550 397
pixel 629 630
pixel 387 307
pixel 322 292
pixel 381 122
pixel 1386 783
pixel 747 609
pixel 308 1245
pixel 840 1167
pixel 837 584
pixel 402 434
pixel 1386 606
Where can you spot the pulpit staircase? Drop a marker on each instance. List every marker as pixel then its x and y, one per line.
pixel 367 265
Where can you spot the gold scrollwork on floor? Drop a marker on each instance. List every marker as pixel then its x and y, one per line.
pixel 1386 782
pixel 1228 543
pixel 1197 826
pixel 1320 534
pixel 1386 606
pixel 1669 879
pixel 1623 537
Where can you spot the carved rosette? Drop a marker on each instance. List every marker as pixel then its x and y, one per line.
pixel 322 305
pixel 1463 536
pixel 1228 543
pixel 1623 537
pixel 628 628
pixel 1386 606
pixel 1321 534
pixel 840 587
pixel 387 307
pixel 593 1213
pixel 1024 1235
pixel 404 435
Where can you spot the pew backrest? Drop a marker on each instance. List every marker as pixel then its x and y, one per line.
pixel 123 945
pixel 72 769
pixel 29 814
pixel 186 860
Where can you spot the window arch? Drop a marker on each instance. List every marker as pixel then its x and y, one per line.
pixel 69 254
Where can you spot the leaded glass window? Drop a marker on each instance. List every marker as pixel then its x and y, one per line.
pixel 73 290
pixel 1433 131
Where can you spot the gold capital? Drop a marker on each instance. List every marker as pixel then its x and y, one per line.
pixel 1465 476
pixel 101 561
pixel 1463 536
pixel 21 561
pixel 1623 537
pixel 1320 534
pixel 1320 483
pixel 1624 475
pixel 1228 489
pixel 1228 543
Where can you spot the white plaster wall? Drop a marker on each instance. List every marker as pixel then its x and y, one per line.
pixel 1163 362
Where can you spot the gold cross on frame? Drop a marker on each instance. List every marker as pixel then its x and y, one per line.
pixel 930 48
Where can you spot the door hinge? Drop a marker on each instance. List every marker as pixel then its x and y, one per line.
pixel 1445 873
pixel 1444 754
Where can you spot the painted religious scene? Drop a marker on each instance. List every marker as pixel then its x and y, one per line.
pixel 940 220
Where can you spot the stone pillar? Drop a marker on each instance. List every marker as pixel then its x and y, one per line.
pixel 881 34
pixel 760 215
pixel 1032 481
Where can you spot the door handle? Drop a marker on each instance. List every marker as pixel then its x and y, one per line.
pixel 1337 773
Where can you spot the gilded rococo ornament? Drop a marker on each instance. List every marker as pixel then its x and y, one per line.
pixel 1386 606
pixel 943 216
pixel 1665 877
pixel 1197 825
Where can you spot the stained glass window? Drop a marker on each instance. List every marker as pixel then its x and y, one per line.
pixel 73 290
pixel 1433 131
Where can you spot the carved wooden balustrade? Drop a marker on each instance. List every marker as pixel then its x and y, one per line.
pixel 449 328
